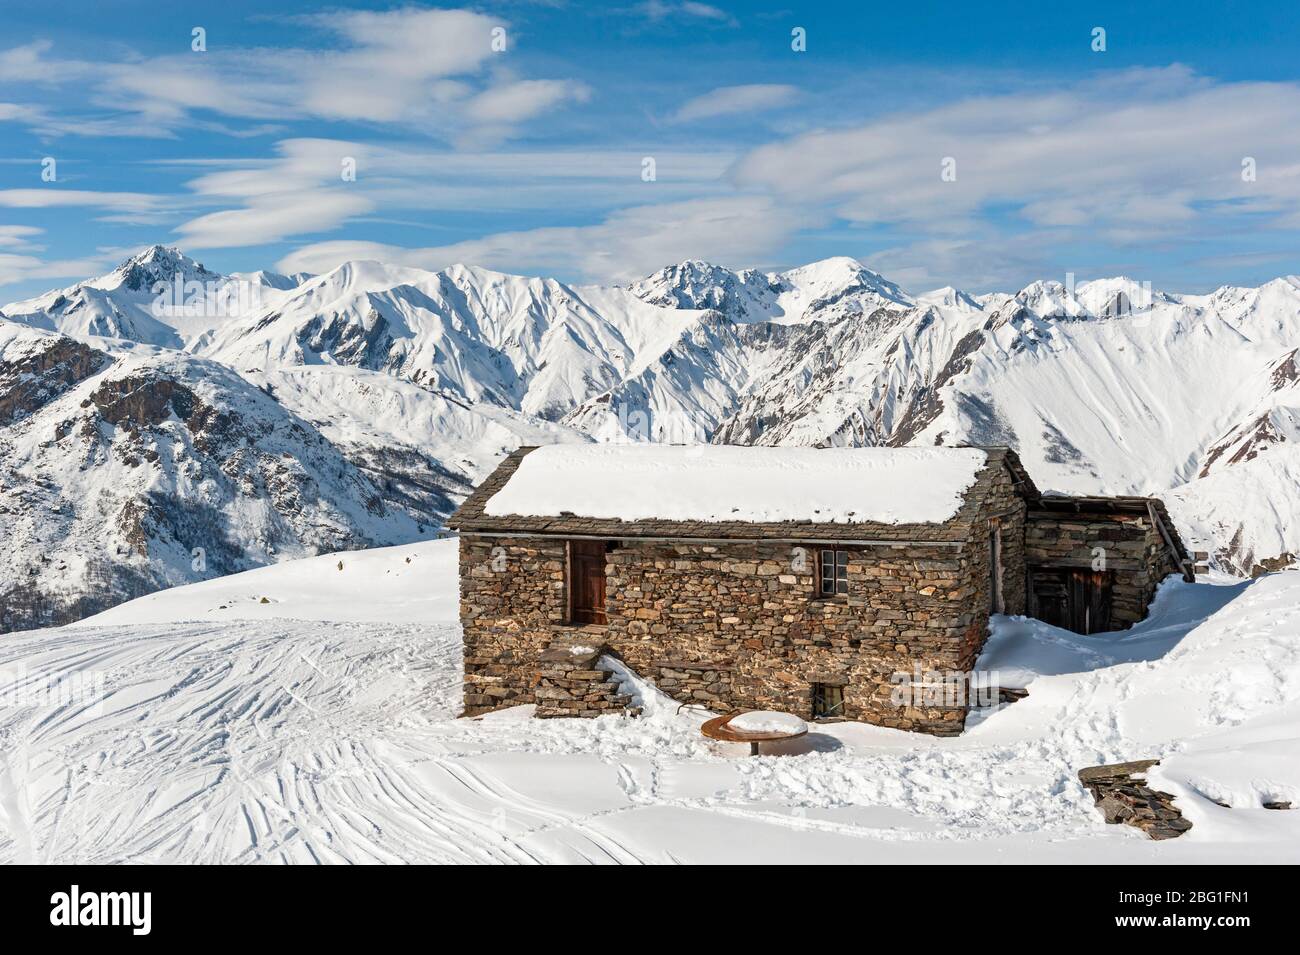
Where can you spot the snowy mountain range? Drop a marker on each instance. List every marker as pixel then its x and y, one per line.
pixel 163 423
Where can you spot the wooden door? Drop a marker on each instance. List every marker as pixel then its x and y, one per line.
pixel 1049 596
pixel 587 581
pixel 1089 601
pixel 1077 600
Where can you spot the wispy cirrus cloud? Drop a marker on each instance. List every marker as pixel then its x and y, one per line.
pixel 307 189
pixel 1137 156
pixel 51 197
pixel 438 71
pixel 657 10
pixel 21 257
pixel 10 112
pixel 302 189
pixel 17 235
pixel 729 100
pixel 627 244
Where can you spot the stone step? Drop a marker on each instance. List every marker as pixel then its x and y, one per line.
pixel 571 684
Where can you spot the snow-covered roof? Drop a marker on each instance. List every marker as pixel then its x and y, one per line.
pixel 719 483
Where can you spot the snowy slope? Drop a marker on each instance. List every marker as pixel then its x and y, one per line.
pixel 405 584
pixel 1244 515
pixel 121 474
pixel 202 725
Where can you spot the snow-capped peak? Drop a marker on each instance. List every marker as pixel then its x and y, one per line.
pixel 818 291
pixel 272 280
pixel 949 297
pixel 1118 296
pixel 144 270
pixel 1047 298
pixel 695 284
pixel 137 301
pixel 1112 297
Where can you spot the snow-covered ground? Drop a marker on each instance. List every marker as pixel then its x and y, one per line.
pixel 203 724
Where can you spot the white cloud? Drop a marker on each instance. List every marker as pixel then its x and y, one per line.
pixel 726 100
pixel 970 263
pixel 56 197
pixel 1136 156
pixel 301 192
pixel 391 72
pixel 1097 154
pixel 626 245
pixel 688 9
pixel 16 111
pixel 20 258
pixel 271 218
pixel 17 235
pixel 28 64
pixel 514 102
pixel 422 69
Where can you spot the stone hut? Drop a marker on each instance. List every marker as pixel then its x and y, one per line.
pixel 844 583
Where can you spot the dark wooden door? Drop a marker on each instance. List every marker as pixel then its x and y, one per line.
pixel 587 581
pixel 1049 597
pixel 1089 601
pixel 1077 600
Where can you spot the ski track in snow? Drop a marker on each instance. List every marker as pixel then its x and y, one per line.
pixel 283 740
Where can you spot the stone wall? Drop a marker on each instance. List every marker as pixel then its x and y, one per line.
pixel 511 596
pixel 740 626
pixel 1131 545
pixel 1002 504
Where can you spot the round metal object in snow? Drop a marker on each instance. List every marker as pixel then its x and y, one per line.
pixel 717 728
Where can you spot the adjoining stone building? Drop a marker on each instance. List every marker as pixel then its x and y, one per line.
pixel 825 583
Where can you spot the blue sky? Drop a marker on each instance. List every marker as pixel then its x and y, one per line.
pixel 531 158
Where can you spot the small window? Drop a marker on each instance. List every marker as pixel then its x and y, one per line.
pixel 834 576
pixel 827 701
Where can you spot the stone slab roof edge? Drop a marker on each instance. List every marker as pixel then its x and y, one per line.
pixel 470 516
pixel 1064 504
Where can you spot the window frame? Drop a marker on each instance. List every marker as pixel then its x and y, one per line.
pixel 839 578
pixel 820 692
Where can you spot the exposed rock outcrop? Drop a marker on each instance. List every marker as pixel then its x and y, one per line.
pixel 1121 793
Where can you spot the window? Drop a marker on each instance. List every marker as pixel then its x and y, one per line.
pixel 834 573
pixel 827 700
pixel 587 581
